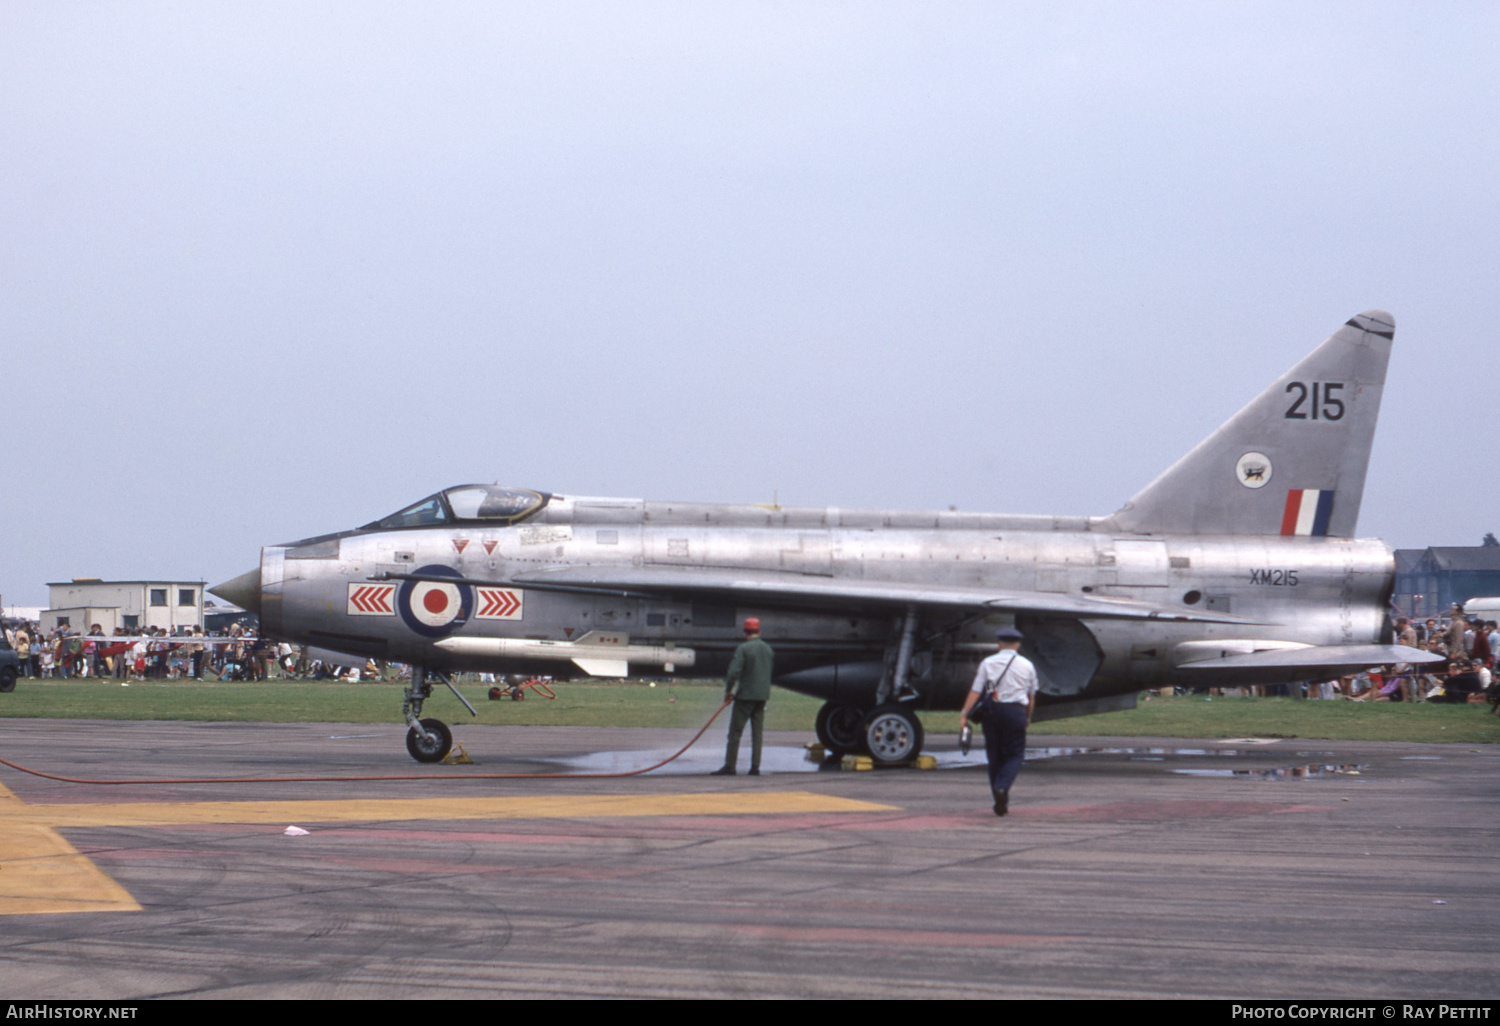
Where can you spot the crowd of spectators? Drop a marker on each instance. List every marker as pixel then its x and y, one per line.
pixel 154 653
pixel 1469 648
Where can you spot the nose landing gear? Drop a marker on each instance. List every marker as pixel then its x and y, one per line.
pixel 432 744
pixel 427 740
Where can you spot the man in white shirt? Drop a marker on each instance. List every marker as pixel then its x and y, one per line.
pixel 1010 679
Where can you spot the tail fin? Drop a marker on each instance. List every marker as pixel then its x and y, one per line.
pixel 1291 462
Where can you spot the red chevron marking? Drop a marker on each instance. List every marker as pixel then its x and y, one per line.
pixel 499 604
pixel 372 599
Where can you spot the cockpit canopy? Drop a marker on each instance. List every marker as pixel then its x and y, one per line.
pixel 490 505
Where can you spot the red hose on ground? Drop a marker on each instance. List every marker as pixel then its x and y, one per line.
pixel 393 776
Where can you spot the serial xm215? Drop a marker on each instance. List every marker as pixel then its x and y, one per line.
pixel 1237 565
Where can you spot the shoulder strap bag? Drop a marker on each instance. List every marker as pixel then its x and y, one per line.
pixel 989 701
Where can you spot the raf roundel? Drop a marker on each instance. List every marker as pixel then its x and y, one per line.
pixel 1253 470
pixel 435 609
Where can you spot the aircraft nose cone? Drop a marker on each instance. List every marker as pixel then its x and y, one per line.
pixel 243 591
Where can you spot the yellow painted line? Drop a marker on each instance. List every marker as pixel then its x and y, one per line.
pixel 41 872
pixel 586 806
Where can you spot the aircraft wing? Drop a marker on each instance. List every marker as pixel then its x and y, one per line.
pixel 751 586
pixel 1333 659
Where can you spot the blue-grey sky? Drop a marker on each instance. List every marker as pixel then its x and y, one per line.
pixel 269 270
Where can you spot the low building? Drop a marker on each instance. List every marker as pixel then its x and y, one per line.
pixel 80 618
pixel 133 605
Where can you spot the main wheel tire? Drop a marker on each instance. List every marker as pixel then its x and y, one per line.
pixel 8 680
pixel 892 734
pixel 838 727
pixel 433 748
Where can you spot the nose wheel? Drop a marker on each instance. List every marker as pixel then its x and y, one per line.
pixel 432 743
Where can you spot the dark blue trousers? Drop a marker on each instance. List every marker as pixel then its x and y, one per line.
pixel 1005 744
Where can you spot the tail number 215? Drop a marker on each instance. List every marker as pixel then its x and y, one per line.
pixel 1324 406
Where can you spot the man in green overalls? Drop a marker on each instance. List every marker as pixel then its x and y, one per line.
pixel 750 669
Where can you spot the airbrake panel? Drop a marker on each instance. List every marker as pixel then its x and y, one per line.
pixel 1064 652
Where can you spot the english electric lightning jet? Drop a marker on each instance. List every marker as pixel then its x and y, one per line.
pixel 1237 565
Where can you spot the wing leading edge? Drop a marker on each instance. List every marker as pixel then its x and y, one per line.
pixel 1308 658
pixel 752 586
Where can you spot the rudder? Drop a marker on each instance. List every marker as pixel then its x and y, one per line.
pixel 1293 461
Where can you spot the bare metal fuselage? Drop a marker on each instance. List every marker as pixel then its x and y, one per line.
pixel 1307 591
pixel 1238 564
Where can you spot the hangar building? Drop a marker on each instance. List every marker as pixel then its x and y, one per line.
pixel 1428 581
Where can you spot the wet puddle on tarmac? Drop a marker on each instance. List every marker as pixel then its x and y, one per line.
pixel 787 759
pixel 1289 773
pixel 696 762
pixel 1163 755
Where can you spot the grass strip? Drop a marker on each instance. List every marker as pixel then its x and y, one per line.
pixel 576 705
pixel 688 704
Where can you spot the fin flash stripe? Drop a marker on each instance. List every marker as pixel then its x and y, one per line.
pixel 1307 512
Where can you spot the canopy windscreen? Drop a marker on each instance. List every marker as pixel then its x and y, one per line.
pixel 490 504
pixel 493 503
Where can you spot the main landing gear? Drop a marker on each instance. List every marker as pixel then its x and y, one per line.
pixel 428 740
pixel 838 727
pixel 890 734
